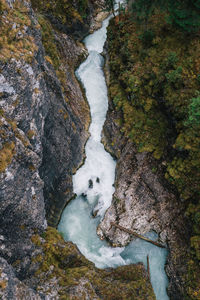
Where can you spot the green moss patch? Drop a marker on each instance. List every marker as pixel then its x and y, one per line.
pixel 70 267
pixel 64 10
pixel 14 41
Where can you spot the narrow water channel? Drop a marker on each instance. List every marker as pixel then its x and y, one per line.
pixel 93 183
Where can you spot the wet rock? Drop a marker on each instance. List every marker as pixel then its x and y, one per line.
pixel 95 212
pixel 98 180
pixel 84 196
pixel 90 184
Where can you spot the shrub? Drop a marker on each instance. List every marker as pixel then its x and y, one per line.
pixel 147 38
pixel 194 112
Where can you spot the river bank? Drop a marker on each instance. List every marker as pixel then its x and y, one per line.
pixel 93 183
pixel 146 131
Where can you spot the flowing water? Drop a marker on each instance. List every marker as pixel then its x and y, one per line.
pixel 93 183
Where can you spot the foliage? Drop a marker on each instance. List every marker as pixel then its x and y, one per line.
pixel 82 6
pixel 65 10
pixel 143 9
pixel 15 41
pixel 1 7
pixel 48 41
pixel 194 112
pixel 185 14
pixel 155 89
pixel 147 38
pixel 62 261
pixel 110 5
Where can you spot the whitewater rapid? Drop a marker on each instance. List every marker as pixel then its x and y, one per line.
pixel 94 183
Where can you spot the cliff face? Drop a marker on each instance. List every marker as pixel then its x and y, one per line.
pixel 44 120
pixel 143 202
pixel 152 129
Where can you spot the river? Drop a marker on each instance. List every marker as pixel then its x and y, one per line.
pixel 93 183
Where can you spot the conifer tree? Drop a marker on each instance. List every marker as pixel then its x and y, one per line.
pixel 110 6
pixel 143 9
pixel 185 14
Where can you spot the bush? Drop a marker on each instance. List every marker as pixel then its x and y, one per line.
pixel 185 15
pixel 174 76
pixel 194 112
pixel 170 61
pixel 147 38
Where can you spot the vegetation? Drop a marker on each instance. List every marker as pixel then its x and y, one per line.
pixel 63 261
pixel 110 6
pixel 65 11
pixel 15 42
pixel 155 84
pixel 6 155
pixel 185 14
pixel 48 41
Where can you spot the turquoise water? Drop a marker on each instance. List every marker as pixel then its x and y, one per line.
pixel 93 184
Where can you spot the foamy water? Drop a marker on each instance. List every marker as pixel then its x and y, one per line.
pixel 93 183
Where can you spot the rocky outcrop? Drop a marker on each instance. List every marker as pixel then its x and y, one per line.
pixel 63 273
pixel 44 120
pixel 144 201
pixel 11 287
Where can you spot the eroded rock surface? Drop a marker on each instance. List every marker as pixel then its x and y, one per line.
pixel 63 273
pixel 11 287
pixel 143 201
pixel 44 119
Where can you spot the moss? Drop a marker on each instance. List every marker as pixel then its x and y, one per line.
pixel 155 88
pixel 22 227
pixel 6 155
pixel 64 10
pixel 1 7
pixel 69 267
pixel 3 284
pixel 31 134
pixel 32 168
pixel 16 102
pixel 53 52
pixel 36 240
pixel 16 263
pixel 22 139
pixel 48 42
pixel 13 44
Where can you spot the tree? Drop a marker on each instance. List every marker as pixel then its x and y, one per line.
pixel 194 112
pixel 143 9
pixel 110 6
pixel 185 14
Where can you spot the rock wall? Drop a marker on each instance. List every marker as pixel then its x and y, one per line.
pixel 44 119
pixel 143 201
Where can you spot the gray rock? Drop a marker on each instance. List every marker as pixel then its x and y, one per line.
pixel 12 288
pixel 42 140
pixel 143 201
